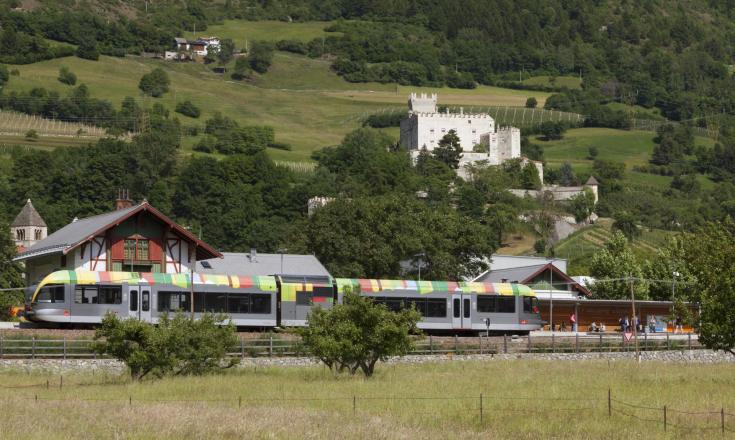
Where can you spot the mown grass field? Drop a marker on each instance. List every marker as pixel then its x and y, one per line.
pixel 435 400
pixel 309 106
pixel 631 147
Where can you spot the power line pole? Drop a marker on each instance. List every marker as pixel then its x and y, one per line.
pixel 635 319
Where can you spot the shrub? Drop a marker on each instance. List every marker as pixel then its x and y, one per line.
pixel 176 346
pixel 31 135
pixel 15 72
pixel 260 56
pixel 188 108
pixel 292 46
pixel 66 76
pixel 531 102
pixel 357 334
pixel 242 69
pixel 88 50
pixel 155 83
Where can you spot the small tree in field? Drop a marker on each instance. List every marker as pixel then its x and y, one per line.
pixel 155 83
pixel 357 334
pixel 531 102
pixel 177 346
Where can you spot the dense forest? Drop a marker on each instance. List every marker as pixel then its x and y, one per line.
pixel 675 58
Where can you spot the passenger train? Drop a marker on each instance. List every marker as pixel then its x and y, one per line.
pixel 79 297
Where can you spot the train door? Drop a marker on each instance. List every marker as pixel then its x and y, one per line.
pixel 461 311
pixel 139 302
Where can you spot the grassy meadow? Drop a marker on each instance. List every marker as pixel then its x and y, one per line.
pixel 631 147
pixel 434 400
pixel 308 104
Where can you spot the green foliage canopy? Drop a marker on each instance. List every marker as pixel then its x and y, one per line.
pixel 176 346
pixel 357 334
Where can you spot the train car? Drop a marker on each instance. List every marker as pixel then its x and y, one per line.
pixel 455 306
pixel 79 297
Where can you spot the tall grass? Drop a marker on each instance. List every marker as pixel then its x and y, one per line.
pixel 520 399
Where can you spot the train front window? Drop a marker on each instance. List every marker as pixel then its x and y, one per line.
pixel 530 304
pixel 51 294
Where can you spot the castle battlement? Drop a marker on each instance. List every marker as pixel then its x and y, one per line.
pixel 425 127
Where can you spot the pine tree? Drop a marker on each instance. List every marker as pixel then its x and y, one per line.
pixel 449 150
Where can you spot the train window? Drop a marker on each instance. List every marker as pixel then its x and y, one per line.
pixel 86 295
pixel 394 304
pixel 455 308
pixel 173 301
pixel 238 303
pixel 133 300
pixel 146 301
pixel 506 304
pixel 466 308
pixel 51 294
pixel 215 302
pixel 260 303
pixel 418 304
pixel 109 295
pixel 303 298
pixel 436 308
pixel 496 304
pixel 199 302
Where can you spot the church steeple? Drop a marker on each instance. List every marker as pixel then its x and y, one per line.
pixel 28 227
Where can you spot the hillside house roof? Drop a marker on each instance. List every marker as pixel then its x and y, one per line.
pixel 81 231
pixel 527 274
pixel 28 216
pixel 592 181
pixel 252 263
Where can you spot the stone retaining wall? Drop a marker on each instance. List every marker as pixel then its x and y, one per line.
pixel 109 366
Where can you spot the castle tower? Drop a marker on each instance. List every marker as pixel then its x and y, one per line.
pixel 593 185
pixel 28 227
pixel 422 103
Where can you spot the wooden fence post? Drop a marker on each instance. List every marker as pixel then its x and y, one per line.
pixel 664 417
pixel 505 343
pixel 456 342
pixel 722 419
pixel 529 343
pixel 354 405
pixel 431 345
pixel 553 343
pixel 481 415
pixel 1 346
pixel 242 347
pixel 668 347
pixel 689 337
pixel 64 347
pixel 576 342
pixel 33 347
pixel 609 402
pixel 270 347
pixel 480 337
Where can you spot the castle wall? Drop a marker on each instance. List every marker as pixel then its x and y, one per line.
pixel 427 129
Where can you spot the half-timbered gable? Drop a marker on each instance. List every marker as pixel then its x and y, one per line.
pixel 133 238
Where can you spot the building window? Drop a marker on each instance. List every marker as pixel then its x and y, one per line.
pixel 129 249
pixel 431 131
pixel 143 250
pixel 136 250
pixel 20 234
pixel 469 121
pixel 37 234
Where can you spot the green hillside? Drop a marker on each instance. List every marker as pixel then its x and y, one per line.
pixel 309 106
pixel 579 247
pixel 241 31
pixel 630 147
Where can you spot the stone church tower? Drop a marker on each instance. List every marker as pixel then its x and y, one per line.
pixel 28 227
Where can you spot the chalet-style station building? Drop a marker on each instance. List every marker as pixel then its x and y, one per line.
pixel 133 237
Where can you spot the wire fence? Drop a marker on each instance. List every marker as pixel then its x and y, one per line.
pixel 477 407
pixel 277 346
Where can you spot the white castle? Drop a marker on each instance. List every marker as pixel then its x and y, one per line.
pixel 425 127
